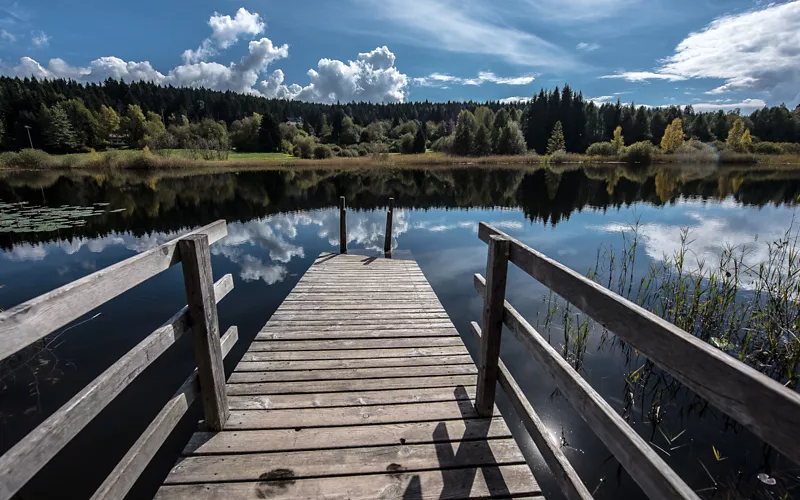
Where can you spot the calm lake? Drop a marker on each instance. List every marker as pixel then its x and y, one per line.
pixel 280 221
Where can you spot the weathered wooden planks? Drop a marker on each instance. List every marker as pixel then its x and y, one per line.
pixel 386 434
pixel 335 364
pixel 356 398
pixel 311 354
pixel 350 461
pixel 248 377
pixel 358 386
pixel 470 482
pixel 372 384
pixel 353 415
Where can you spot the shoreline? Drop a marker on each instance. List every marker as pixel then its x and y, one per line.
pixel 137 160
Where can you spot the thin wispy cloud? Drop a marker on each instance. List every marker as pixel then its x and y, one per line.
pixel 643 76
pixel 587 47
pixel 442 79
pixel 7 37
pixel 572 11
pixel 40 39
pixel 464 27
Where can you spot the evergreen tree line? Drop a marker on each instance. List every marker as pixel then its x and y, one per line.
pixel 64 115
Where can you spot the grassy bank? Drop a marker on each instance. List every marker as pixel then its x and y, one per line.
pixel 180 159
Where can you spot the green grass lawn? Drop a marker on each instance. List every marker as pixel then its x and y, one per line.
pixel 235 155
pixel 184 153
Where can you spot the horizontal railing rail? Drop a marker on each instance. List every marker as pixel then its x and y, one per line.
pixel 30 321
pixel 33 320
pixel 768 409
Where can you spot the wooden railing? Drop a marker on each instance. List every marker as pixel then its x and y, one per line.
pixel 387 239
pixel 26 323
pixel 765 407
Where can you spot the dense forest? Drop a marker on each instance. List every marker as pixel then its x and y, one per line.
pixel 62 116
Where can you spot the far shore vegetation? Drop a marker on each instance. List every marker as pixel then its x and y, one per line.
pixel 64 124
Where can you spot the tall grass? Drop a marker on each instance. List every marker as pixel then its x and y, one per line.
pixel 749 311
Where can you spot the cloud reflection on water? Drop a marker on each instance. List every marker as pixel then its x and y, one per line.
pixel 712 230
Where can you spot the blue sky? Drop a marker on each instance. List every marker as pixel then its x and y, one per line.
pixel 709 53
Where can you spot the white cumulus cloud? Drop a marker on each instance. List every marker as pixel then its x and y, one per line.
pixel 238 77
pixel 371 77
pixel 225 31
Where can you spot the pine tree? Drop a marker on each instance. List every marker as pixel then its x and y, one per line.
pixel 465 130
pixel 59 136
pixel 700 129
pixel 658 125
pixel 673 136
pixel 556 142
pixel 511 140
pixel 269 135
pixel 482 143
pixel 420 140
pixel 641 126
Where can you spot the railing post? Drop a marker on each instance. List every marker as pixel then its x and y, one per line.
pixel 496 272
pixel 387 243
pixel 202 308
pixel 342 226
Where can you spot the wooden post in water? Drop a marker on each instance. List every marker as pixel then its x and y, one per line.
pixel 342 226
pixel 387 244
pixel 493 306
pixel 202 309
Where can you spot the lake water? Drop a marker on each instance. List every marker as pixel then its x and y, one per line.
pixel 278 222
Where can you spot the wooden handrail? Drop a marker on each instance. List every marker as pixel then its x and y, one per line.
pixel 199 284
pixel 651 473
pixel 762 405
pixel 563 472
pixel 19 464
pixel 489 357
pixel 30 321
pixel 128 470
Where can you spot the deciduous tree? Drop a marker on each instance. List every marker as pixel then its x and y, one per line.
pixel 673 136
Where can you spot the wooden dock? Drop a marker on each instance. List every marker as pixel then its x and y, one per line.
pixel 358 386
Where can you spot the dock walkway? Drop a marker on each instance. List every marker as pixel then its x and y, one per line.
pixel 359 386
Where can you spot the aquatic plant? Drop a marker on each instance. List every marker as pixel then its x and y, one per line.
pixel 24 218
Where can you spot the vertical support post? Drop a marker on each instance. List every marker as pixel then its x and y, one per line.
pixel 342 226
pixel 387 243
pixel 493 307
pixel 199 284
